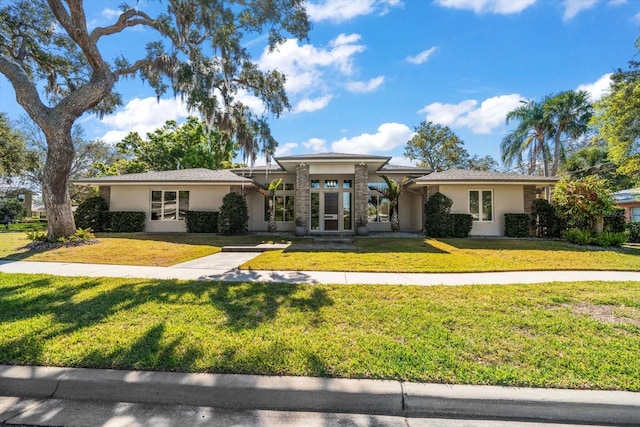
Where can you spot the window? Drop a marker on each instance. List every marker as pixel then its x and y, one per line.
pixel 283 208
pixel 481 205
pixel 285 186
pixel 169 205
pixel 330 183
pixel 379 209
pixel 346 183
pixel 315 183
pixel 635 214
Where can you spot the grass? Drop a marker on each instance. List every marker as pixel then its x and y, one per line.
pixel 370 254
pixel 128 249
pixel 450 255
pixel 581 335
pixel 29 225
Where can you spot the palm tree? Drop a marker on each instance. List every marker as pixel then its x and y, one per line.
pixel 530 136
pixel 269 192
pixel 569 113
pixel 392 191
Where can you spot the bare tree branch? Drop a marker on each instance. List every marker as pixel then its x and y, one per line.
pixel 124 21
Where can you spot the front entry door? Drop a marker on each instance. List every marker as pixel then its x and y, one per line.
pixel 331 211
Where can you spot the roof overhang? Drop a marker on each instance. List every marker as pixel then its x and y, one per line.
pixel 373 163
pixel 537 183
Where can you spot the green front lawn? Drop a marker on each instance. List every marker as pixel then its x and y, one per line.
pixel 450 255
pixel 152 249
pixel 580 335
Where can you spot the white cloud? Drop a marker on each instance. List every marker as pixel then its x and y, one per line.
pixel 344 10
pixel 308 105
pixel 316 145
pixel 305 65
pixel 401 161
pixel 388 137
pixel 503 7
pixel 422 56
pixel 636 18
pixel 285 149
pixel 598 88
pixel 142 115
pixel 480 119
pixel 573 7
pixel 364 87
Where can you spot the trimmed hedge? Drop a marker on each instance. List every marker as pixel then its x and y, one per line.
pixel 124 222
pixel 545 220
pixel 615 222
pixel 437 221
pixel 516 224
pixel 633 228
pixel 92 213
pixel 461 224
pixel 202 222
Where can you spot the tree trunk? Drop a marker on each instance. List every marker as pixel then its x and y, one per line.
pixel 55 192
pixel 272 227
pixel 395 221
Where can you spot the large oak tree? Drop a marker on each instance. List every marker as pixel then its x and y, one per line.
pixel 58 71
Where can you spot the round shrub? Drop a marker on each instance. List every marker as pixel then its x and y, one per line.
pixel 437 221
pixel 233 217
pixel 92 214
pixel 13 208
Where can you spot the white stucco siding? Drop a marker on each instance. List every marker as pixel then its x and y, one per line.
pixel 410 212
pixel 138 198
pixel 506 199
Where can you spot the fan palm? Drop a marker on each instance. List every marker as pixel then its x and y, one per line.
pixel 569 113
pixel 529 136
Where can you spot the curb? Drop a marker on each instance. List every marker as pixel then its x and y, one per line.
pixel 333 395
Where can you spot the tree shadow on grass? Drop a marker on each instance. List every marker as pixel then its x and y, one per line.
pixel 43 310
pixel 377 245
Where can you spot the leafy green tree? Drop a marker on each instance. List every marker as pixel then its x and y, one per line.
pixel 529 137
pixel 13 208
pixel 15 157
pixel 174 146
pixel 617 118
pixel 583 203
pixel 436 147
pixel 569 113
pixel 200 54
pixel 486 163
pixel 594 160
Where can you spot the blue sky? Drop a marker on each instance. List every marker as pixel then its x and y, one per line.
pixel 372 70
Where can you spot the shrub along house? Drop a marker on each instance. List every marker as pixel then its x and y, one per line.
pixel 328 192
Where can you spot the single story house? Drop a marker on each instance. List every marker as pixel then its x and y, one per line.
pixel 630 201
pixel 330 192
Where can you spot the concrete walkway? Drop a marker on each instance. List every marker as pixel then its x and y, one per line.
pixel 223 266
pixel 327 395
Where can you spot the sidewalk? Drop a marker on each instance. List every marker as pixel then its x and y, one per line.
pixel 328 395
pixel 222 267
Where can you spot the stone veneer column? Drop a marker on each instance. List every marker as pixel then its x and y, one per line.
pixel 303 194
pixel 529 194
pixel 360 189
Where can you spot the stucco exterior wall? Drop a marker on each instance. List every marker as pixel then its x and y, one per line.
pixel 506 199
pixel 138 198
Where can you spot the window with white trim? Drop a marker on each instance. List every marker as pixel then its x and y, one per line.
pixel 635 214
pixel 169 205
pixel 481 205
